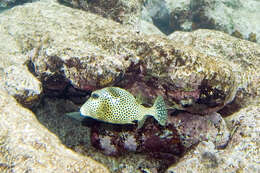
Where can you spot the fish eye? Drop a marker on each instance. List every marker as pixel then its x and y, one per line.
pixel 94 96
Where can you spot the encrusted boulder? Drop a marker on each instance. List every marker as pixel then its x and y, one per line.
pixel 241 154
pixel 95 53
pixel 130 13
pixel 237 18
pixel 126 12
pixel 10 3
pixel 243 56
pixel 20 83
pixel 15 77
pixel 157 12
pixel 182 131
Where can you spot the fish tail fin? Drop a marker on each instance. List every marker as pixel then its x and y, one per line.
pixel 160 110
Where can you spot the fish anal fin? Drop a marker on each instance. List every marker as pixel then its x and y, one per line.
pixel 141 122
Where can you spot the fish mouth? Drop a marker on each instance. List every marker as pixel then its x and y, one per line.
pixel 82 112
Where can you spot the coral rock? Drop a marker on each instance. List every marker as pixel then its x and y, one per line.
pixel 241 154
pixel 97 52
pixel 20 83
pixel 181 132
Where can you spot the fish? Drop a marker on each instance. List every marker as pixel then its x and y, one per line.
pixel 118 106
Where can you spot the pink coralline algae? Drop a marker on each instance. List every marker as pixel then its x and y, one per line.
pixel 151 138
pixel 182 131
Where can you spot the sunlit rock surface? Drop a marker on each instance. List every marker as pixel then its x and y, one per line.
pixel 237 18
pixel 15 78
pixel 243 56
pixel 94 53
pixel 20 83
pixel 11 3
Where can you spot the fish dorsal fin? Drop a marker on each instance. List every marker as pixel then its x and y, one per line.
pixel 115 92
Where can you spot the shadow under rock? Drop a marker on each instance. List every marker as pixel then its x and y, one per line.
pixel 51 113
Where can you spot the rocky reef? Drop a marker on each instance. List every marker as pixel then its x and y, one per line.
pixel 244 142
pixel 56 56
pixel 188 79
pixel 124 12
pixel 237 18
pixel 234 17
pixel 166 143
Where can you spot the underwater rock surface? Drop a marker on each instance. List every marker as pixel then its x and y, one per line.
pixel 125 12
pixel 237 18
pixel 27 146
pixel 11 3
pixel 95 53
pixel 243 56
pixel 56 51
pixel 181 132
pixel 241 154
pixel 17 81
pixel 130 13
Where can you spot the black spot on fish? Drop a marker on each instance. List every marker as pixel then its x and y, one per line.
pixel 104 110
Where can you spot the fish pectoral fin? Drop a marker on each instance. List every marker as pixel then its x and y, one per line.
pixel 75 115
